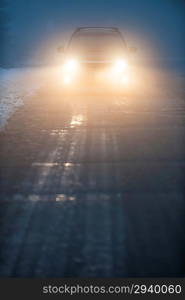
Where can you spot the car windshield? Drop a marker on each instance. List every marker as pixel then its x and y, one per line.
pixel 96 42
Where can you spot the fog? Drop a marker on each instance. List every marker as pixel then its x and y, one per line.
pixel 37 27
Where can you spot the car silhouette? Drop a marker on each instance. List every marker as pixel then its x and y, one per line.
pixel 96 56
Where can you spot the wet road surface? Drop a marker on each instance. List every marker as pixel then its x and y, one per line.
pixel 93 186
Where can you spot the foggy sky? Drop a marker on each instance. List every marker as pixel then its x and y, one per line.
pixel 159 23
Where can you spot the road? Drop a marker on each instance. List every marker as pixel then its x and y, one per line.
pixel 93 186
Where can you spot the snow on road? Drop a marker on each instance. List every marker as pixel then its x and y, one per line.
pixel 16 86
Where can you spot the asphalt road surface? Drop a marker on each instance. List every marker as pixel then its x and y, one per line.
pixel 93 186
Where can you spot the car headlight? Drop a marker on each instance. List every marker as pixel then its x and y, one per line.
pixel 120 66
pixel 70 66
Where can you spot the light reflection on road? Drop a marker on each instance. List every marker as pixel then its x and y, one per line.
pixel 77 120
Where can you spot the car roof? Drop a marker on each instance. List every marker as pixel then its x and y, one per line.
pixel 96 30
pixel 85 31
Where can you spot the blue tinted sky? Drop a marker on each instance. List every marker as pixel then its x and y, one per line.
pixel 158 22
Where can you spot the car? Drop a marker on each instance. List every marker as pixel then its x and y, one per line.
pixel 96 56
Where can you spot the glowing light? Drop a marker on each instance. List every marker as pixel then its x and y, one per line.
pixel 71 66
pixel 120 66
